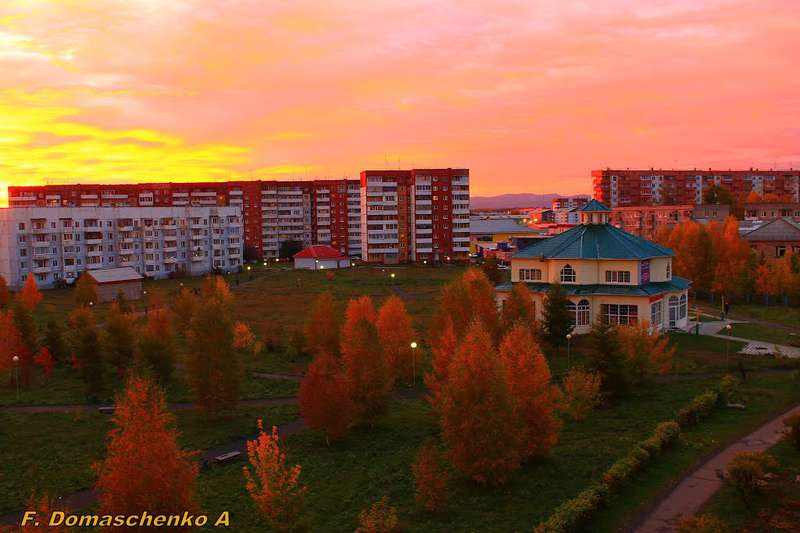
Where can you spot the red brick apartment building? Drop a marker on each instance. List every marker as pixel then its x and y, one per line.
pixel 645 221
pixel 415 215
pixel 623 188
pixel 312 212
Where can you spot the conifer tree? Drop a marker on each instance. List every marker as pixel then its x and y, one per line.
pixel 557 320
pixel 87 349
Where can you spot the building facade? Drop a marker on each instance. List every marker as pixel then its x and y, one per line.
pixel 645 221
pixel 311 212
pixel 774 238
pixel 771 211
pixel 414 215
pixel 610 276
pixel 58 243
pixel 622 188
pixel 569 202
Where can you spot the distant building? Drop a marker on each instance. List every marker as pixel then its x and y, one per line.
pixel 567 215
pixel 415 215
pixel 610 275
pixel 498 234
pixel 645 221
pixel 623 188
pixel 541 215
pixel 711 212
pixel 320 257
pixel 109 283
pixel 771 211
pixel 58 244
pixel 569 202
pixel 774 238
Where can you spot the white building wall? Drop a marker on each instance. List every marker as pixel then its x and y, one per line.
pixel 60 243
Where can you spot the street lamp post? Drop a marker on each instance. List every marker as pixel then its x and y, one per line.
pixel 569 338
pixel 16 373
pixel 727 347
pixel 413 363
pixel 144 293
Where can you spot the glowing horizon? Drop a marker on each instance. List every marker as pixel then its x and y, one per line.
pixel 530 95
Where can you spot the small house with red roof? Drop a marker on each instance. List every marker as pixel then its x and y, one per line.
pixel 320 257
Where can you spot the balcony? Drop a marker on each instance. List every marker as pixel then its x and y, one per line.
pixel 94 266
pixel 40 229
pixel 94 241
pixel 41 269
pixel 125 227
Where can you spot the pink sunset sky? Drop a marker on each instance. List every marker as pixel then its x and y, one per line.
pixel 530 95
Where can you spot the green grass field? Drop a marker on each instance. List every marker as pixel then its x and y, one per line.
pixel 764 333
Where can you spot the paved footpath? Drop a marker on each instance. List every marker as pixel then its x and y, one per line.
pixel 752 347
pixel 689 496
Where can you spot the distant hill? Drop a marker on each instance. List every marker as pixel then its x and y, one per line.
pixel 513 200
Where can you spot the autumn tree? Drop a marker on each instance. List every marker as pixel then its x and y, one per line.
pixel 357 310
pixel 533 396
pixel 272 336
pixel 145 469
pixel 694 254
pixel 322 329
pixel 54 341
pixel 44 360
pixel 646 352
pixel 11 345
pixel 28 334
pixel 324 398
pixel 244 340
pixel 157 346
pixel 369 376
pixel 215 365
pixel 477 402
pixel 491 270
pixel 379 518
pixel 119 338
pixel 395 333
pixel 5 296
pixel 87 349
pixel 183 310
pixel 733 267
pixel 430 478
pixel 84 291
pixel 30 296
pixel 581 393
pixel 518 309
pixel 557 320
pixel 44 506
pixel 442 353
pixel 273 485
pixel 469 298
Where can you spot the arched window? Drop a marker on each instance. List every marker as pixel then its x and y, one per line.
pixel 567 274
pixel 683 306
pixel 674 310
pixel 669 269
pixel 582 314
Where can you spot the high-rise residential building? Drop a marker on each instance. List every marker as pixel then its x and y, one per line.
pixel 569 202
pixel 59 243
pixel 622 188
pixel 414 215
pixel 311 212
pixel 645 221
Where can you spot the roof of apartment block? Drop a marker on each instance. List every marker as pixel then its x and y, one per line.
pixel 594 241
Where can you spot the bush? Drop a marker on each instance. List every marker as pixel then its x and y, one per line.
pixel 792 424
pixel 572 514
pixel 702 524
pixel 699 408
pixel 380 518
pixel 745 473
pixel 728 387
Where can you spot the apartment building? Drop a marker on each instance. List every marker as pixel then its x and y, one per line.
pixel 645 221
pixel 312 212
pixel 623 188
pixel 58 243
pixel 414 215
pixel 569 202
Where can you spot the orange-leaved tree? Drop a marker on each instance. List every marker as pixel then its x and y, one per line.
pixel 430 478
pixel 11 344
pixel 145 469
pixel 156 349
pixel 581 393
pixel 273 485
pixel 732 274
pixel 30 296
pixel 442 352
pixel 86 348
pixel 646 352
pixel 533 396
pixel 369 377
pixel 357 310
pixel 476 402
pixel 322 329
pixel 183 309
pixel 324 398
pixel 44 360
pixel 84 292
pixel 396 333
pixel 518 309
pixel 469 298
pixel 119 338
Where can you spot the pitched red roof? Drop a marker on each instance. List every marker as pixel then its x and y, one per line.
pixel 320 251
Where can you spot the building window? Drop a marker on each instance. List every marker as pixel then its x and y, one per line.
pixel 780 251
pixel 618 276
pixel 530 274
pixel 580 313
pixel 682 307
pixel 622 314
pixel 669 269
pixel 567 274
pixel 655 313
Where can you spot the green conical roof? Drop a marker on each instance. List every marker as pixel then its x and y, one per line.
pixel 594 241
pixel 594 207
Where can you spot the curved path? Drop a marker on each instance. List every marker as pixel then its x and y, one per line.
pixel 71 408
pixel 696 488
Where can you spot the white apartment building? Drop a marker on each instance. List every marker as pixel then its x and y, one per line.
pixel 58 243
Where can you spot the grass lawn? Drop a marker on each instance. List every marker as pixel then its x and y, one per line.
pixel 765 397
pixel 778 500
pixel 349 476
pixel 781 314
pixel 759 332
pixel 54 452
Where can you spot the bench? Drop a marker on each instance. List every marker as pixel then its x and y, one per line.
pixel 229 457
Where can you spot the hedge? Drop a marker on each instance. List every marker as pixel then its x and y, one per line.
pixel 574 513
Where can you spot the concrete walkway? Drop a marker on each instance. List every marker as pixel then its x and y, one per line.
pixel 82 407
pixel 752 347
pixel 689 496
